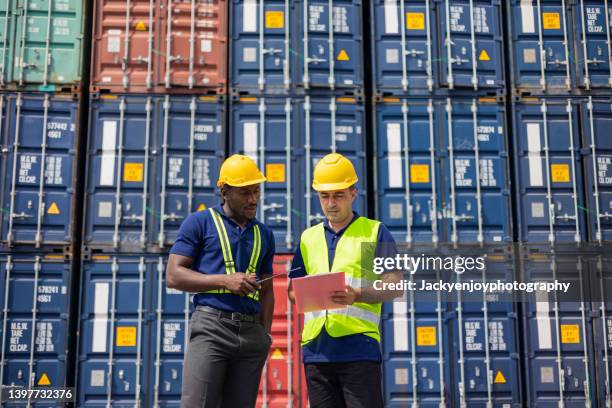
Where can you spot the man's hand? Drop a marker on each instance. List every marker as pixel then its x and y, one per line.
pixel 346 297
pixel 241 284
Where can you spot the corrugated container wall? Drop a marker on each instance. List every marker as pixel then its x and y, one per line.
pixel 429 186
pixel 134 334
pixel 548 171
pixel 36 295
pixel 430 47
pixel 593 58
pixel 39 171
pixel 41 44
pixel 286 137
pixel 541 47
pixel 136 198
pixel 160 46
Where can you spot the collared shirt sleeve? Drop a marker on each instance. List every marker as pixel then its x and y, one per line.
pixel 268 259
pixel 386 246
pixel 189 240
pixel 298 269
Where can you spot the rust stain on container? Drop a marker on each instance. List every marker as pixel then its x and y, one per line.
pixel 160 46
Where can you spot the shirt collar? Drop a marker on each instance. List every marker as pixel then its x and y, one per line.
pixel 330 229
pixel 219 209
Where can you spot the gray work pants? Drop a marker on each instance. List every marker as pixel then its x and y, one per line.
pixel 223 362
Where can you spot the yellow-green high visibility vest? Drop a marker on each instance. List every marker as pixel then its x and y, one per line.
pixel 226 249
pixel 358 318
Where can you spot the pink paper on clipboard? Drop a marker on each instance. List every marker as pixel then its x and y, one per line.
pixel 312 292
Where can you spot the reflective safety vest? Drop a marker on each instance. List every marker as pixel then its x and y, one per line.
pixel 226 249
pixel 350 255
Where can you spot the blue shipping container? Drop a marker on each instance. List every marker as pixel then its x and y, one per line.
pixel 448 198
pixel 602 328
pixel 548 172
pixel 471 44
pixel 404 46
pixel 114 325
pixel 36 297
pixel 596 120
pixel 541 46
pixel 151 162
pixel 262 59
pixel 593 25
pixel 329 44
pixel 41 138
pixel 286 137
pixel 558 351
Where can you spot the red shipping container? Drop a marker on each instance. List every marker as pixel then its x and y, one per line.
pixel 283 383
pixel 160 46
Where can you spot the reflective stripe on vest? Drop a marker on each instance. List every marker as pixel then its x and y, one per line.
pixel 350 255
pixel 226 250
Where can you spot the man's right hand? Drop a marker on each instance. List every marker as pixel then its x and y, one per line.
pixel 241 284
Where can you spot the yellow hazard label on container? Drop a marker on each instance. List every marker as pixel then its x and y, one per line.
pixel 551 21
pixel 419 173
pixel 53 209
pixel 126 336
pixel 275 172
pixel 140 26
pixel 275 19
pixel 426 336
pixel 343 56
pixel 499 378
pixel 484 56
pixel 559 173
pixel 277 354
pixel 570 333
pixel 133 172
pixel 415 21
pixel 201 207
pixel 44 380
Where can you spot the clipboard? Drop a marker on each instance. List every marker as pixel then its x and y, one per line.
pixel 312 292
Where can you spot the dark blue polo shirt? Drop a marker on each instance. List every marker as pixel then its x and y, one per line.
pixel 356 347
pixel 198 239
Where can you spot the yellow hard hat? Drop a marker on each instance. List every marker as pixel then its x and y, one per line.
pixel 239 171
pixel 334 172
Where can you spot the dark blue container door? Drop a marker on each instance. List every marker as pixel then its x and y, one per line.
pixel 118 172
pixel 471 46
pixel 485 339
pixel 265 129
pixel 557 337
pixel 408 170
pixel 404 48
pixel 262 57
pixel 416 354
pixel 190 146
pixel 329 44
pixel 602 327
pixel 593 47
pixel 550 204
pixel 35 297
pixel 171 311
pixel 331 125
pixel 38 166
pixel 112 342
pixel 478 196
pixel 541 46
pixel 596 115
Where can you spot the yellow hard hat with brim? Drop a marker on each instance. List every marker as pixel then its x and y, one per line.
pixel 239 171
pixel 334 172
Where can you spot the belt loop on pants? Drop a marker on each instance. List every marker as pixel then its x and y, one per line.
pixel 239 317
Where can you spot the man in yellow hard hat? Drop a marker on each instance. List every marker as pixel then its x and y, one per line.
pixel 341 347
pixel 221 254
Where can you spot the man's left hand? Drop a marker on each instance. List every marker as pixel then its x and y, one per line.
pixel 346 297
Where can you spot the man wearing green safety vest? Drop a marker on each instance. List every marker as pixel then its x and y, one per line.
pixel 221 254
pixel 341 347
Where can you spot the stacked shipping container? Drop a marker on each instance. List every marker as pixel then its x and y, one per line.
pixel 484 123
